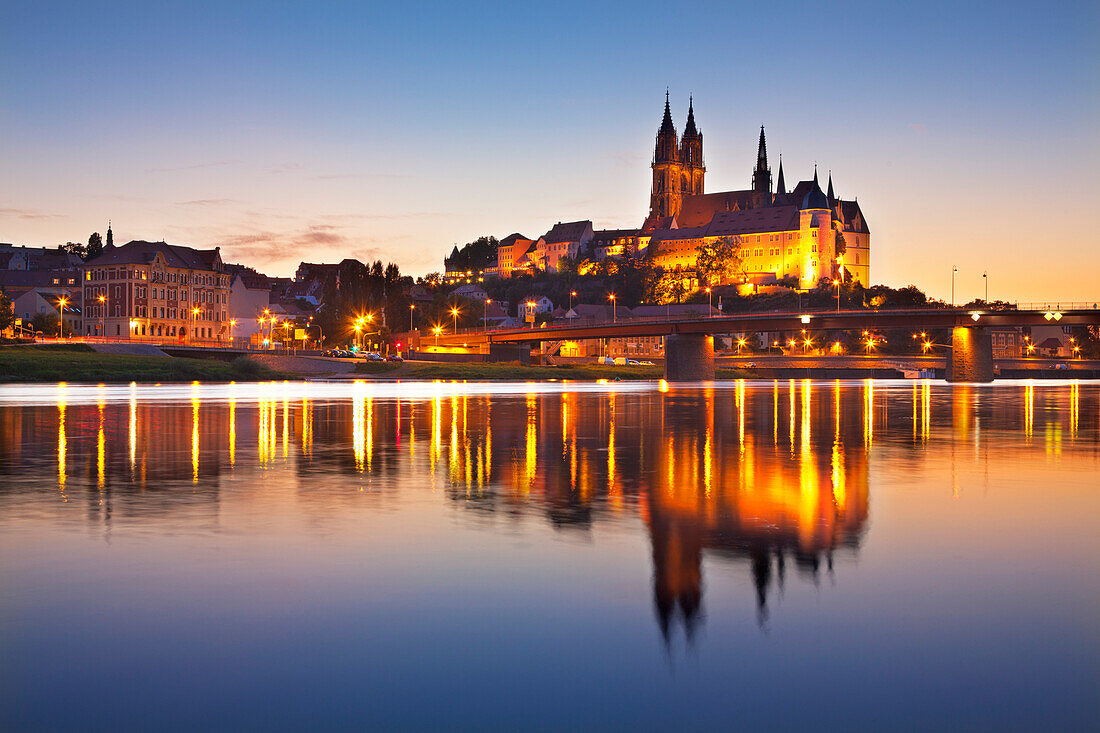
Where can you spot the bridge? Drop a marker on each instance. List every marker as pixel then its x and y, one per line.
pixel 689 342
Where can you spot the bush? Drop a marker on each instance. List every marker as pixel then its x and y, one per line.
pixel 247 367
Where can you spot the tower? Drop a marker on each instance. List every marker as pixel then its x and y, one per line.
pixel 110 235
pixel 691 155
pixel 664 196
pixel 762 176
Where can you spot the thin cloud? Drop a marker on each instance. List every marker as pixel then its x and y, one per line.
pixel 28 214
pixel 919 128
pixel 197 166
pixel 207 202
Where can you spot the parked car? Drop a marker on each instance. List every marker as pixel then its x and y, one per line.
pixel 372 356
pixel 394 357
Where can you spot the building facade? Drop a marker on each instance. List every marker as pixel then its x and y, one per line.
pixel 154 291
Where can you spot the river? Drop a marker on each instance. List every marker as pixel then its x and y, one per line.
pixel 791 554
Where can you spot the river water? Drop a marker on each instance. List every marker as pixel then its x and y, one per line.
pixel 793 554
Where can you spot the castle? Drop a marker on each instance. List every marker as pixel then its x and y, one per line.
pixel 800 235
pixel 804 233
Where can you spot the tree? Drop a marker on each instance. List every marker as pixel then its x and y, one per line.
pixel 718 261
pixel 95 246
pixel 668 288
pixel 47 323
pixel 7 312
pixel 75 248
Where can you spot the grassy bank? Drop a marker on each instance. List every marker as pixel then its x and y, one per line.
pixel 79 363
pixel 482 372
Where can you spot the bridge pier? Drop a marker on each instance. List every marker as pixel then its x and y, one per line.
pixel 971 358
pixel 689 357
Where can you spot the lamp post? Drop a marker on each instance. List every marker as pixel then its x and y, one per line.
pixel 61 302
pixel 436 330
pixel 710 301
pixel 985 278
pixel 454 313
pixel 232 323
pixel 102 316
pixel 611 297
pixel 954 269
pixel 485 315
pixel 194 317
pixel 839 279
pixel 572 294
pixel 412 308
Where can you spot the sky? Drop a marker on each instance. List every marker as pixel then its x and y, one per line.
pixel 287 131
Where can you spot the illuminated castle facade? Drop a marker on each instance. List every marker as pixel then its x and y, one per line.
pixel 804 233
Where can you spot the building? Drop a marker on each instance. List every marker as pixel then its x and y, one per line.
pixel 563 240
pixel 804 233
pixel 36 258
pixel 249 300
pixel 157 291
pixel 512 255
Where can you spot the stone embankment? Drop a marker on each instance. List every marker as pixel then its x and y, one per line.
pixel 304 364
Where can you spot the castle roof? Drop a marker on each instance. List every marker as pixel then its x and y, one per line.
pixel 753 221
pixel 699 209
pixel 815 198
pixel 570 231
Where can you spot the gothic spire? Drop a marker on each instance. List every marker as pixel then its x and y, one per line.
pixel 781 185
pixel 110 235
pixel 762 175
pixel 689 129
pixel 829 193
pixel 666 148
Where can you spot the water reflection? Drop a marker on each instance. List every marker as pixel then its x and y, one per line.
pixel 693 466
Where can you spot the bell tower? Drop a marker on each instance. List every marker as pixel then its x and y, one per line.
pixel 664 196
pixel 691 155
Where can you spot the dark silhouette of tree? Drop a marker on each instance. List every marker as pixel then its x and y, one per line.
pixel 95 246
pixel 7 312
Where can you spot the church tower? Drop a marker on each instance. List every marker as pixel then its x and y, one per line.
pixel 691 155
pixel 762 176
pixel 664 196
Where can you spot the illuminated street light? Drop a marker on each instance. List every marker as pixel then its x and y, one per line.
pixel 61 303
pixel 454 312
pixel 102 316
pixel 412 307
pixel 611 297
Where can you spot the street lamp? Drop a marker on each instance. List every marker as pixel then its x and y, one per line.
pixel 195 314
pixel 954 269
pixel 572 294
pixel 485 315
pixel 412 307
pixel 985 277
pixel 436 330
pixel 102 316
pixel 232 323
pixel 611 297
pixel 61 303
pixel 710 301
pixel 839 279
pixel 454 312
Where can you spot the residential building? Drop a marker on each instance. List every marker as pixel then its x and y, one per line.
pixel 157 291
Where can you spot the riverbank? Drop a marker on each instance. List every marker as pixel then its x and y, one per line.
pixel 81 363
pixel 514 372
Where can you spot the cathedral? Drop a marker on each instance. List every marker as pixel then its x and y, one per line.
pixel 804 233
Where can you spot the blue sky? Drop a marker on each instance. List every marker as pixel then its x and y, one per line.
pixel 289 131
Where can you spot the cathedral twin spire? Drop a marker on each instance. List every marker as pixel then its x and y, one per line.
pixel 670 148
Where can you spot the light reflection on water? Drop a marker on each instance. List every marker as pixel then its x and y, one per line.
pixel 879 535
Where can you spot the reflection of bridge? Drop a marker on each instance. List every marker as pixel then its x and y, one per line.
pixel 689 344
